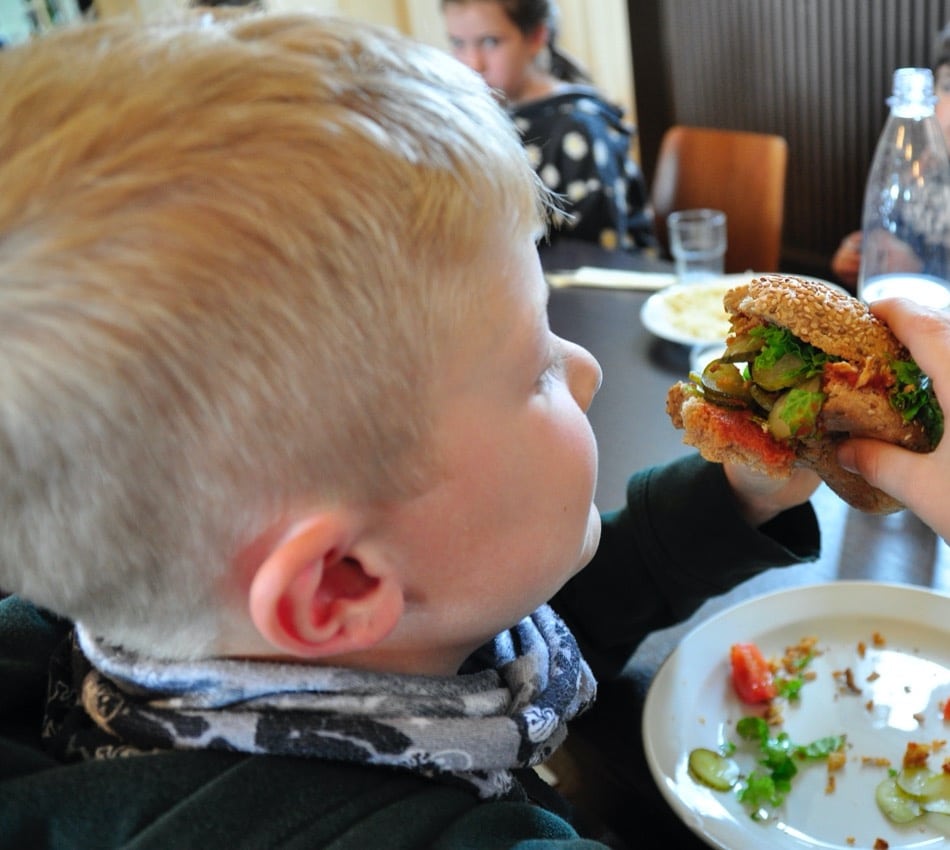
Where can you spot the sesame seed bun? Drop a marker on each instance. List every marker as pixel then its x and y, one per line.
pixel 828 318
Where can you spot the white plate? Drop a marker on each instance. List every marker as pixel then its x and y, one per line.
pixel 692 313
pixel 691 703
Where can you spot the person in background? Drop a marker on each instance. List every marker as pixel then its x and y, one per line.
pixel 918 480
pixel 578 142
pixel 292 467
pixel 846 261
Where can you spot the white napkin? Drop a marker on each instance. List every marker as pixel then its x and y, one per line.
pixel 610 278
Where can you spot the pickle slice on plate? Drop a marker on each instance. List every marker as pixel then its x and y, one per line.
pixel 896 804
pixel 914 780
pixel 931 790
pixel 713 769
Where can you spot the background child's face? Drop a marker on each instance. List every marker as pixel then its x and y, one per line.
pixel 483 37
pixel 513 517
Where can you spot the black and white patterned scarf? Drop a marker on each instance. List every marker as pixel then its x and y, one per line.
pixel 507 709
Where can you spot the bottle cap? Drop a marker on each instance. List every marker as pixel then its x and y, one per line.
pixel 913 87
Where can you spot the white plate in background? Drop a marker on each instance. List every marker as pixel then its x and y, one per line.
pixel 691 703
pixel 692 313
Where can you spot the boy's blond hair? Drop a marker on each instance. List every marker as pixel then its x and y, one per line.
pixel 231 257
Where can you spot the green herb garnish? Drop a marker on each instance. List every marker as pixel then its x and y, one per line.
pixel 914 398
pixel 789 689
pixel 765 789
pixel 779 342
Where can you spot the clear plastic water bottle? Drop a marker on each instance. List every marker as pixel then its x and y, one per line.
pixel 906 222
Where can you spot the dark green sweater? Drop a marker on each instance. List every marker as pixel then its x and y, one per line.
pixel 647 574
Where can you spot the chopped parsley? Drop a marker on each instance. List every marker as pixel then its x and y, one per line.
pixel 765 789
pixel 914 398
pixel 789 687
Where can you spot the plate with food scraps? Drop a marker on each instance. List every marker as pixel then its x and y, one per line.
pixel 692 313
pixel 877 674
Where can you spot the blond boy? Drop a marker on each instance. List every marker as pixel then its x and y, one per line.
pixel 285 434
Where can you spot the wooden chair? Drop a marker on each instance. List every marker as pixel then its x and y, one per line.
pixel 740 172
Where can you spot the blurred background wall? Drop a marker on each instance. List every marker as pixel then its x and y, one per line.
pixel 815 71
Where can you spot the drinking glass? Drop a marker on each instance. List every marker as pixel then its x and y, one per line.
pixel 698 243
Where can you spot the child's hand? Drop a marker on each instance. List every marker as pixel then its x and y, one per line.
pixel 846 262
pixel 917 480
pixel 761 498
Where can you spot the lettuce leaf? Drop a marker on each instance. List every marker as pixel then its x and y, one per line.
pixel 914 398
pixel 778 342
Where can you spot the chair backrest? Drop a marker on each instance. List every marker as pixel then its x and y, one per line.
pixel 740 172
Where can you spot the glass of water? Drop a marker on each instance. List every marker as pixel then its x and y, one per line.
pixel 697 243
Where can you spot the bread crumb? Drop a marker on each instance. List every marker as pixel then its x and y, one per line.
pixel 845 680
pixel 916 754
pixel 836 760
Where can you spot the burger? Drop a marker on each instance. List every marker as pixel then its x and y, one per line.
pixel 805 366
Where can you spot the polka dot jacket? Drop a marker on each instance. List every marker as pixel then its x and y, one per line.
pixel 580 147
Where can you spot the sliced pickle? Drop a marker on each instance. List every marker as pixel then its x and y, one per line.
pixel 898 806
pixel 785 372
pixel 713 769
pixel 935 793
pixel 723 384
pixel 742 348
pixel 763 398
pixel 778 426
pixel 914 789
pixel 914 780
pixel 795 414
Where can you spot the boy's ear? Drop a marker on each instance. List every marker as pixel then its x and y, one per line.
pixel 311 597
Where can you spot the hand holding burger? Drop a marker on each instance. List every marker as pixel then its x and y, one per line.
pixel 920 481
pixel 806 366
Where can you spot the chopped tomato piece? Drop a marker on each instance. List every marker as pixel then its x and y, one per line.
pixel 946 710
pixel 751 674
